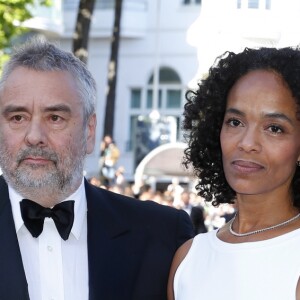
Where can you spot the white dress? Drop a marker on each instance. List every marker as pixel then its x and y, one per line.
pixel 216 270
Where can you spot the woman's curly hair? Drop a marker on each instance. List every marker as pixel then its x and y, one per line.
pixel 205 109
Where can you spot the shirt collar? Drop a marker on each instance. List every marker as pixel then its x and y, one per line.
pixel 80 208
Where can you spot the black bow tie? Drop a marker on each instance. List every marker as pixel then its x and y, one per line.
pixel 34 215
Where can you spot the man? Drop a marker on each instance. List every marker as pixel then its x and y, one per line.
pixel 196 213
pixel 115 247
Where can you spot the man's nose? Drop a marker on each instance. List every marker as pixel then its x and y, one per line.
pixel 36 134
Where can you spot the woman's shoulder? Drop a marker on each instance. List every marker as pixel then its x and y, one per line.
pixel 182 252
pixel 179 256
pixel 185 248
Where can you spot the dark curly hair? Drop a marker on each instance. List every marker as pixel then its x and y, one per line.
pixel 205 109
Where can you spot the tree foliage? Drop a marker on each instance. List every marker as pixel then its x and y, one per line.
pixel 12 14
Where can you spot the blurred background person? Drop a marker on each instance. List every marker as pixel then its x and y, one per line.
pixel 109 155
pixel 196 212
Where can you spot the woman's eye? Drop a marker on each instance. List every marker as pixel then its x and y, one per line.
pixel 233 122
pixel 275 129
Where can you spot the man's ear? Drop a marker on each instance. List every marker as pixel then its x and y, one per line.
pixel 91 133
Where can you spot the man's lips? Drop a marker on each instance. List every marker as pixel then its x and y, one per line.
pixel 36 160
pixel 245 166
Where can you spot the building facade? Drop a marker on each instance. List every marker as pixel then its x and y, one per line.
pixel 166 46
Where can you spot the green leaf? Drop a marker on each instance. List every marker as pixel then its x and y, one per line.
pixel 12 14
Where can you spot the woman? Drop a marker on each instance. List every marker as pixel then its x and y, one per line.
pixel 243 130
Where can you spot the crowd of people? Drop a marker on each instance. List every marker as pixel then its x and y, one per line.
pixel 112 177
pixel 204 216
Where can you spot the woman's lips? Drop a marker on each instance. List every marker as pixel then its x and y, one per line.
pixel 246 166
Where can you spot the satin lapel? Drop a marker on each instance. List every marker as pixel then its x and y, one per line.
pixel 13 283
pixel 115 249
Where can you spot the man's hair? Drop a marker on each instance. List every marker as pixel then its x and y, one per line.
pixel 41 55
pixel 205 109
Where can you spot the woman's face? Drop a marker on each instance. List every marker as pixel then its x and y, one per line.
pixel 260 136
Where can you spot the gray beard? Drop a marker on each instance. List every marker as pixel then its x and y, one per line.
pixel 54 183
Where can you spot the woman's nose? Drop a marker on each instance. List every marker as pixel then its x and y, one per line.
pixel 250 141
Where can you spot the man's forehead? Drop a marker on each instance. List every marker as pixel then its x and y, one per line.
pixel 51 87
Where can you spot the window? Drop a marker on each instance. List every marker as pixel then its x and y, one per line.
pixel 187 2
pixel 149 134
pixel 173 99
pixel 136 98
pixel 145 131
pixel 104 4
pixel 268 4
pixel 166 75
pixel 149 103
pixel 133 120
pixel 253 3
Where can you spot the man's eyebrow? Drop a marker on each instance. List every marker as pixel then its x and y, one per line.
pixel 58 107
pixel 18 108
pixel 14 108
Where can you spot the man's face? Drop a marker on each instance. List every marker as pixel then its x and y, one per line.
pixel 43 138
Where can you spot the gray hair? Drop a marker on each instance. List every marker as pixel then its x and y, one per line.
pixel 41 55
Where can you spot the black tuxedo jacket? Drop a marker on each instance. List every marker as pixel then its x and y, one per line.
pixel 130 247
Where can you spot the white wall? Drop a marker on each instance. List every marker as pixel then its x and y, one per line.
pixel 221 27
pixel 190 38
pixel 136 62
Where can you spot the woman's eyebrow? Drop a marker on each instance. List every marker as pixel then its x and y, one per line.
pixel 277 116
pixel 234 111
pixel 273 115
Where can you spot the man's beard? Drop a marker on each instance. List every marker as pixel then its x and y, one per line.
pixel 58 177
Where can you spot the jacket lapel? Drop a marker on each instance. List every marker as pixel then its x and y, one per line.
pixel 115 251
pixel 13 283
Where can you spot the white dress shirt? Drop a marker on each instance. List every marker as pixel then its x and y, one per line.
pixel 55 269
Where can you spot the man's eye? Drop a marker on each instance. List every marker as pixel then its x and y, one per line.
pixel 17 118
pixel 55 118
